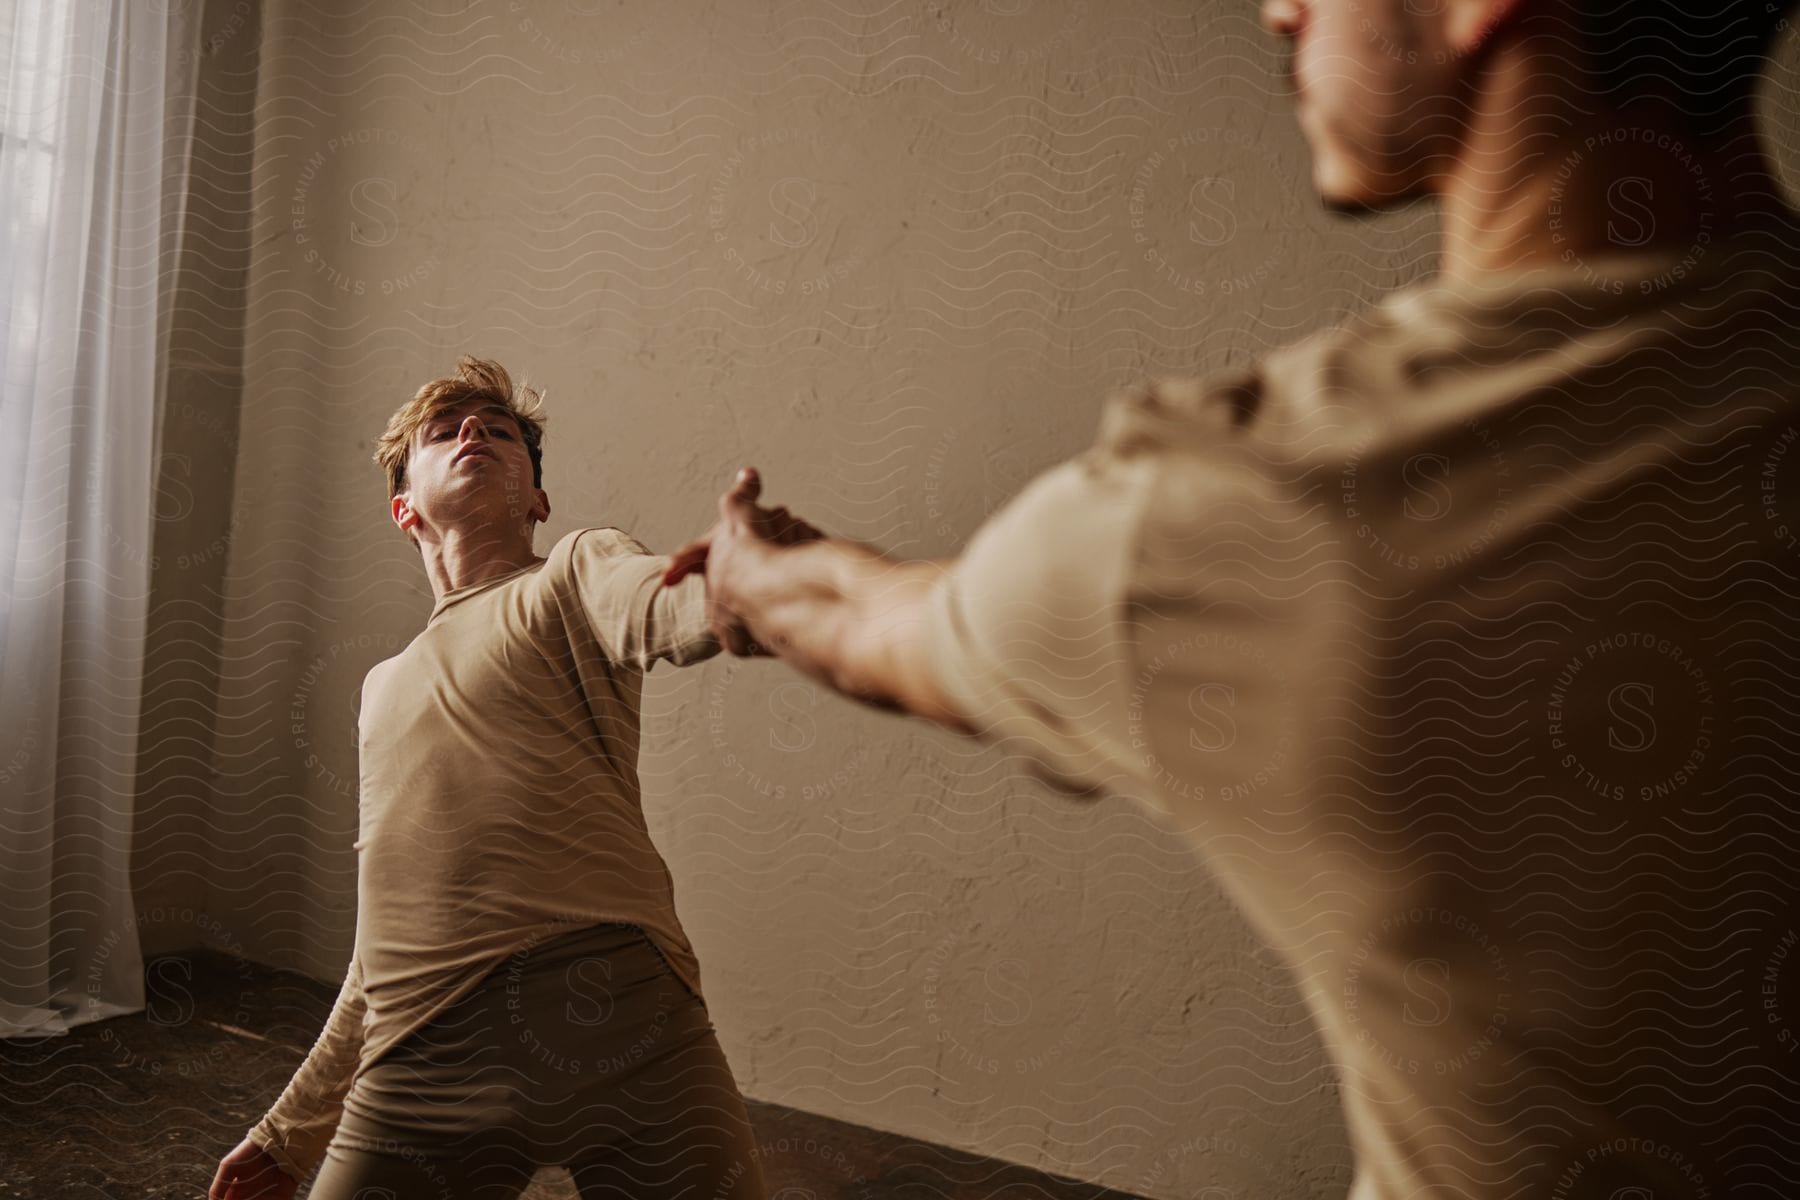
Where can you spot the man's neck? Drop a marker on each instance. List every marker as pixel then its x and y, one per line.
pixel 461 557
pixel 1542 184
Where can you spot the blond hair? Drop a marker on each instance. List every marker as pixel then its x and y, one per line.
pixel 475 379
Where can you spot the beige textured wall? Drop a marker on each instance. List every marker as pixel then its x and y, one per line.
pixel 894 254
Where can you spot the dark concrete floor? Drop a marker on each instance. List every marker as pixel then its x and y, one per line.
pixel 141 1107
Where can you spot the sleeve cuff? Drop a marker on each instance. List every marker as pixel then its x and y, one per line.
pixel 694 639
pixel 1025 633
pixel 263 1136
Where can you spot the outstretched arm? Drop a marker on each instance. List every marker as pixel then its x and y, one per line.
pixel 638 617
pixel 838 611
pixel 1024 640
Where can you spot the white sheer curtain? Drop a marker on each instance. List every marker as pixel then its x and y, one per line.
pixel 96 99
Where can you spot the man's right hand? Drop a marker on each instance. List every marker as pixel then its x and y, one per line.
pixel 251 1173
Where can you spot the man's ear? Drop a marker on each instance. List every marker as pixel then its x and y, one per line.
pixel 1470 25
pixel 404 516
pixel 543 506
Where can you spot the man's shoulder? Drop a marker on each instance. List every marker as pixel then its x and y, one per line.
pixel 596 540
pixel 585 558
pixel 380 670
pixel 1276 394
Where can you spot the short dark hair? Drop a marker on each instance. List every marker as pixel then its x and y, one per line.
pixel 1702 57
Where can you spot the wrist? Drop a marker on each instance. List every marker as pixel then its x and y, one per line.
pixel 266 1141
pixel 799 600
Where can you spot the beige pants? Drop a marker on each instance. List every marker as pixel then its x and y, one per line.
pixel 583 1051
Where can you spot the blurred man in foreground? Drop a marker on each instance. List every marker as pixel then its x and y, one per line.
pixel 1460 637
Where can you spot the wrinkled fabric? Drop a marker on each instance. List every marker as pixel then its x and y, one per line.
pixel 1461 638
pixel 499 800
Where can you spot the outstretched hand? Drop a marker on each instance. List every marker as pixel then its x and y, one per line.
pixel 732 551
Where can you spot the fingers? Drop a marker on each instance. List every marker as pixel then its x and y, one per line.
pixel 786 529
pixel 744 527
pixel 737 505
pixel 778 523
pixel 686 561
pixel 740 498
pixel 802 531
pixel 221 1184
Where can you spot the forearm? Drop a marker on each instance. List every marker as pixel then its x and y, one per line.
pixel 853 619
pixel 296 1128
pixel 677 629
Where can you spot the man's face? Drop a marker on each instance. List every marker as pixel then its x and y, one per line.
pixel 1380 90
pixel 469 465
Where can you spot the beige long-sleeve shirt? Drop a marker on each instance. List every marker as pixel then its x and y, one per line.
pixel 499 800
pixel 1463 639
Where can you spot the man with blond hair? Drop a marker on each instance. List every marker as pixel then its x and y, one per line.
pixel 1460 637
pixel 521 992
